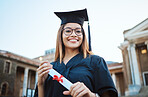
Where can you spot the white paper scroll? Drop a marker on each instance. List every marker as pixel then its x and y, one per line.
pixel 66 83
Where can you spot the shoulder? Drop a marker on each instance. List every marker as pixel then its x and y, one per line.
pixel 97 61
pixel 96 58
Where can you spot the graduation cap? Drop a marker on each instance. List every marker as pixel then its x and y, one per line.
pixel 77 16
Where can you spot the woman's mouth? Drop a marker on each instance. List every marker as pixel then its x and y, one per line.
pixel 73 40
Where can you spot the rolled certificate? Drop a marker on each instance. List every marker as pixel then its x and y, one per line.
pixel 61 79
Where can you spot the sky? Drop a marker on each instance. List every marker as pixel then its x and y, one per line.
pixel 29 27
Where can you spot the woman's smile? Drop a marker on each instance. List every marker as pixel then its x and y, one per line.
pixel 73 40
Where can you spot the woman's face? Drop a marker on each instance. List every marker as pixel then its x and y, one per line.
pixel 72 35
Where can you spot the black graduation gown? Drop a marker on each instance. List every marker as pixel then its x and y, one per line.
pixel 92 71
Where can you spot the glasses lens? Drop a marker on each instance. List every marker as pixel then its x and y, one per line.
pixel 67 31
pixel 78 31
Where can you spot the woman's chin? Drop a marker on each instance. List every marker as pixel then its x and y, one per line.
pixel 73 46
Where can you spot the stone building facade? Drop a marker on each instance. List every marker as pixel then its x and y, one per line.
pixel 18 75
pixel 116 71
pixel 135 57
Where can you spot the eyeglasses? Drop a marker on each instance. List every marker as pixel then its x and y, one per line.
pixel 68 31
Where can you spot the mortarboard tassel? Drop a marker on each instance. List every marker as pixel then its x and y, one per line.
pixel 89 37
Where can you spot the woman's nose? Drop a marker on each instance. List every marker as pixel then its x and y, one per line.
pixel 73 33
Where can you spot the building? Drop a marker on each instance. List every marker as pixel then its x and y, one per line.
pixel 49 56
pixel 135 57
pixel 18 75
pixel 116 71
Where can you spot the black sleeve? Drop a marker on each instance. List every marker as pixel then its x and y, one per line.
pixel 102 78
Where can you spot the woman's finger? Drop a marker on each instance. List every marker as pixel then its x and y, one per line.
pixel 66 93
pixel 84 92
pixel 74 85
pixel 78 91
pixel 49 64
pixel 74 90
pixel 42 63
pixel 69 92
pixel 42 70
pixel 42 74
pixel 43 66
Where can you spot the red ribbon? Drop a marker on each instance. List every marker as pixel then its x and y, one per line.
pixel 58 78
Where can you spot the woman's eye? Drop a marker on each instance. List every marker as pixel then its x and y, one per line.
pixel 78 31
pixel 67 31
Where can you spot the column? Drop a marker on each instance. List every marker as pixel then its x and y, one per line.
pixel 25 82
pixel 114 78
pixel 36 78
pixel 134 65
pixel 131 66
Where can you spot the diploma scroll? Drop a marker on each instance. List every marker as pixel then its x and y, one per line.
pixel 61 79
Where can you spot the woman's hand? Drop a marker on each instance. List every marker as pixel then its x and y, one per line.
pixel 79 90
pixel 43 71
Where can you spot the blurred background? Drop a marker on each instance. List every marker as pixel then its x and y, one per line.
pixel 28 29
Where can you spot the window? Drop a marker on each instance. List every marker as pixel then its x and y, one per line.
pixel 4 88
pixel 7 67
pixel 145 78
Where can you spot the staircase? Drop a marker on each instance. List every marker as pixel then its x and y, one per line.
pixel 143 93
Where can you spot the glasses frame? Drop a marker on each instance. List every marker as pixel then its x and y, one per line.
pixel 73 30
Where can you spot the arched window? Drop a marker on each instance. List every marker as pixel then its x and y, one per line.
pixel 4 88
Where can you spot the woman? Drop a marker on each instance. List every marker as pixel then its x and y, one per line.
pixel 88 73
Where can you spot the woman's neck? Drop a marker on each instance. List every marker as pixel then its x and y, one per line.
pixel 69 53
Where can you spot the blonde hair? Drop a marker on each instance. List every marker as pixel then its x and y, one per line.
pixel 60 48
